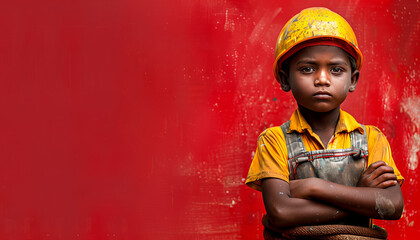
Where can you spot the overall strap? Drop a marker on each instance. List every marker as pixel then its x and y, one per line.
pixel 295 144
pixel 359 141
pixel 294 141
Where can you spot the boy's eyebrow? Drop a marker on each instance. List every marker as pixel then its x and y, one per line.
pixel 312 61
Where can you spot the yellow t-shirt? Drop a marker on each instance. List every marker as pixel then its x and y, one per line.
pixel 270 160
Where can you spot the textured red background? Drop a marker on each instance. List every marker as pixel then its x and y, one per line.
pixel 125 119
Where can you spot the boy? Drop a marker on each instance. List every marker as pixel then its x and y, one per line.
pixel 322 167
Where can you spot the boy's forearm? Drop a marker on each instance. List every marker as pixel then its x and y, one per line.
pixel 286 211
pixel 371 202
pixel 299 212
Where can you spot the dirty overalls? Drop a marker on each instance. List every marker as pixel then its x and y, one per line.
pixel 343 166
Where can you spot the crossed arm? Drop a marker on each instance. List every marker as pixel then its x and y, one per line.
pixel 316 201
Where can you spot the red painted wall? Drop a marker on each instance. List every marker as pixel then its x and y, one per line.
pixel 138 120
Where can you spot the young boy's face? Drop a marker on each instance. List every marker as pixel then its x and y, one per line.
pixel 320 78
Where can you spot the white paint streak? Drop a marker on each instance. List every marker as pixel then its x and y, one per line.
pixel 229 22
pixel 415 148
pixel 412 107
pixel 226 27
pixel 385 87
pixel 265 21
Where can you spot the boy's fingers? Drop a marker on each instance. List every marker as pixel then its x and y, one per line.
pixel 386 177
pixel 379 175
pixel 374 166
pixel 379 171
pixel 387 184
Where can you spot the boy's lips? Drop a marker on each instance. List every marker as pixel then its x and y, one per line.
pixel 322 94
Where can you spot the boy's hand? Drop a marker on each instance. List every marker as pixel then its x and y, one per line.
pixel 378 175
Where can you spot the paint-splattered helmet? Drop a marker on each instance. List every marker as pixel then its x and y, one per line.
pixel 315 26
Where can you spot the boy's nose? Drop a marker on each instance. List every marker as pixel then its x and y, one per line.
pixel 322 78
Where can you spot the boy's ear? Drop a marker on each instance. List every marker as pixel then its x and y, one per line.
pixel 354 80
pixel 283 80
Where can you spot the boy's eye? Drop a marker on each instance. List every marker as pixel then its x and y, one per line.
pixel 307 70
pixel 337 70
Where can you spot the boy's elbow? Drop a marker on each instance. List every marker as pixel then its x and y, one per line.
pixel 397 214
pixel 399 208
pixel 390 209
pixel 279 218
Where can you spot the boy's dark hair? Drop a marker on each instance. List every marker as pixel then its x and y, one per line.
pixel 285 65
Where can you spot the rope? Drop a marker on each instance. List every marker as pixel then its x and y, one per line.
pixel 328 232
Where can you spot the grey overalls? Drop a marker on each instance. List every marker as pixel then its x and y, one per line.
pixel 343 166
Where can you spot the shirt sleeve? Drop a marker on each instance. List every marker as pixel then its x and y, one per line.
pixel 270 159
pixel 379 150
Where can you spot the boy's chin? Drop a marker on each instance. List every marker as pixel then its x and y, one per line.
pixel 319 109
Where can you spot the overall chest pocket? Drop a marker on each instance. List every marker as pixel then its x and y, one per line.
pixel 343 166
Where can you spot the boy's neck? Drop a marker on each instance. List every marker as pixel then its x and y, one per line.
pixel 321 121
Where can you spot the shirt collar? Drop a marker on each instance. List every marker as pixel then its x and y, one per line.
pixel 346 123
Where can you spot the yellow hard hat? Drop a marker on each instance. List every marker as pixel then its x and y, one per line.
pixel 315 26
